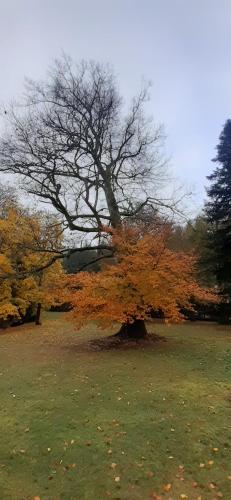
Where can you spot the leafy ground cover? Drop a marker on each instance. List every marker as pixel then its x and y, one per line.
pixel 131 423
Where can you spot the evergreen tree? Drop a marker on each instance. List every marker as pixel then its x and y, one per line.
pixel 218 210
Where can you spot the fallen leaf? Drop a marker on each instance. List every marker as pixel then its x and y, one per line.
pixel 168 487
pixel 212 486
pixel 113 465
pixel 210 462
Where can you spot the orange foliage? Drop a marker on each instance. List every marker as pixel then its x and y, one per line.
pixel 22 239
pixel 145 276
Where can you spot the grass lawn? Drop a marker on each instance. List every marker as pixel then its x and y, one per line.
pixel 131 423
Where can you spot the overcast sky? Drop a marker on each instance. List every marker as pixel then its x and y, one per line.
pixel 182 46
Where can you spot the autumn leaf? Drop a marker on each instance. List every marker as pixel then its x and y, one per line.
pixel 150 474
pixel 168 487
pixel 212 486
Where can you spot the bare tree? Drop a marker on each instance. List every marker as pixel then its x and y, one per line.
pixel 77 149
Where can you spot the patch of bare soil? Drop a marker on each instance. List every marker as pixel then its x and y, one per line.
pixel 118 342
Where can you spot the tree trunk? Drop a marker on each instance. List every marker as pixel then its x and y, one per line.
pixel 112 204
pixel 136 330
pixel 38 314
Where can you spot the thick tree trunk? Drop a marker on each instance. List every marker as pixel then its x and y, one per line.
pixel 112 204
pixel 136 330
pixel 38 314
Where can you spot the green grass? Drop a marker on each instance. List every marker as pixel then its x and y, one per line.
pixel 68 413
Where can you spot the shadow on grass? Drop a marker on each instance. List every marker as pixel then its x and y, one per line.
pixel 114 342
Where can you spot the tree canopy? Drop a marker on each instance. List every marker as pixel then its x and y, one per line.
pixel 78 148
pixel 25 239
pixel 218 211
pixel 146 276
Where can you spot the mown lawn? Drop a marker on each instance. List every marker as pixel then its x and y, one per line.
pixel 132 423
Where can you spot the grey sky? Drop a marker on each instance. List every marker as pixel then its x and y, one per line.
pixel 182 46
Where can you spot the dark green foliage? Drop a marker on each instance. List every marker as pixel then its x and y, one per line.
pixel 77 260
pixel 218 211
pixel 202 311
pixel 84 261
pixel 193 237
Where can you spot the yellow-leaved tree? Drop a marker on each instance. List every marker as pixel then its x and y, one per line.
pixel 26 243
pixel 144 276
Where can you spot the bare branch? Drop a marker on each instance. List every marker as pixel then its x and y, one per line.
pixel 75 148
pixel 59 255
